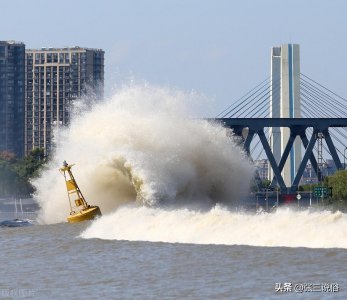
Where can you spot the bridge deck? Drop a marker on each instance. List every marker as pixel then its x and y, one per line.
pixel 319 123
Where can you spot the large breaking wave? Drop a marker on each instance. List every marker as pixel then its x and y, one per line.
pixel 143 146
pixel 160 175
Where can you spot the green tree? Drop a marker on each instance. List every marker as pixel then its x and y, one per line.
pixel 338 182
pixel 260 185
pixel 15 174
pixel 29 167
pixel 7 178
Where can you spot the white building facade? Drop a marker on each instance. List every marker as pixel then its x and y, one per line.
pixel 55 78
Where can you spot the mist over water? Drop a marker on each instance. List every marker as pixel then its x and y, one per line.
pixel 143 147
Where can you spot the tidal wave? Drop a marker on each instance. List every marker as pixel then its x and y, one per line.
pixel 143 146
pixel 284 228
pixel 160 175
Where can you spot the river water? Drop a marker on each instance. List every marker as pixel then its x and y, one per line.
pixel 65 261
pixel 165 182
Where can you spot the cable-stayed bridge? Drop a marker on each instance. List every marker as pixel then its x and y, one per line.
pixel 323 118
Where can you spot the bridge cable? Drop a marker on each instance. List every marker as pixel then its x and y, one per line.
pixel 324 87
pixel 318 103
pixel 262 109
pixel 314 90
pixel 308 90
pixel 248 105
pixel 240 99
pixel 249 95
pixel 251 103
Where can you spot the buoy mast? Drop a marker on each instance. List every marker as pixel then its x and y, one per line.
pixel 72 187
pixel 84 210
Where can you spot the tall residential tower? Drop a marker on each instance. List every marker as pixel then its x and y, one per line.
pixel 285 103
pixel 55 77
pixel 12 61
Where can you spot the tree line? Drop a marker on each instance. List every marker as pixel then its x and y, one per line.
pixel 16 173
pixel 336 183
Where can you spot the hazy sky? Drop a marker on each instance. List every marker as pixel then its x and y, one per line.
pixel 218 48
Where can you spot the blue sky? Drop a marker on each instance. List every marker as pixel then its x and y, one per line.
pixel 218 48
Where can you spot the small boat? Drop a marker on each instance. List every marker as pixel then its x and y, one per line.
pixel 80 210
pixel 18 220
pixel 15 223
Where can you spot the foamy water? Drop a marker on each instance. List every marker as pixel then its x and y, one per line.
pixel 143 146
pixel 160 175
pixel 221 226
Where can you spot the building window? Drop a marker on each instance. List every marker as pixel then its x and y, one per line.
pixel 2 51
pixel 49 57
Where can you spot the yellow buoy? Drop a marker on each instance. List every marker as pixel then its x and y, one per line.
pixel 80 210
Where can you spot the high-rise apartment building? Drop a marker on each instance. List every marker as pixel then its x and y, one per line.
pixel 12 84
pixel 55 77
pixel 285 103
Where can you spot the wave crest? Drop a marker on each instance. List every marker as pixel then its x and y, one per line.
pixel 143 146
